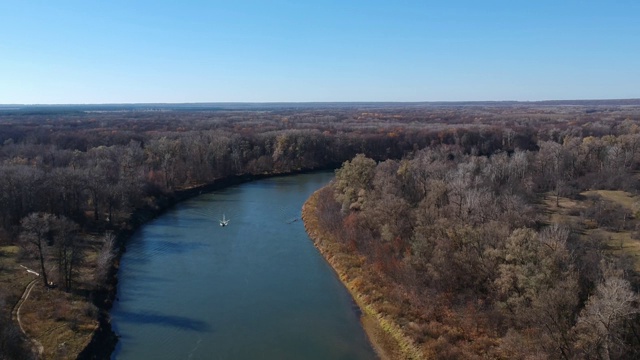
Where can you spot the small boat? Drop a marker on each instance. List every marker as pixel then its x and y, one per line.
pixel 224 221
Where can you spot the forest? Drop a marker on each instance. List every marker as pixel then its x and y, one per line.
pixel 461 211
pixel 511 254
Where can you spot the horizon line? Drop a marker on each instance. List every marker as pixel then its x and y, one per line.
pixel 321 102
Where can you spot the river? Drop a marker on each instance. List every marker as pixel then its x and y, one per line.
pixel 255 289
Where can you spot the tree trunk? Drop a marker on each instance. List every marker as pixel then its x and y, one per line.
pixel 95 208
pixel 43 272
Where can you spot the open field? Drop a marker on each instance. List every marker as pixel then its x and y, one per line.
pixel 572 213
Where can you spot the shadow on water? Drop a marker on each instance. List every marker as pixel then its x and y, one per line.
pixel 147 277
pixel 164 247
pixel 153 318
pixel 171 221
pixel 143 252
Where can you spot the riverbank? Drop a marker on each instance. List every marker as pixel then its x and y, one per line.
pixel 386 337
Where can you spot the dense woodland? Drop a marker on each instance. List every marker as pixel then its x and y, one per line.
pixel 470 264
pixel 443 204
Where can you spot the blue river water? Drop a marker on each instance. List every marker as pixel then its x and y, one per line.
pixel 255 289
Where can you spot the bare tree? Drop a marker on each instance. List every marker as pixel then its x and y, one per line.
pixel 36 233
pixel 601 325
pixel 69 253
pixel 105 257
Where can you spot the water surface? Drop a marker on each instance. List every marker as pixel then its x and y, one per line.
pixel 256 289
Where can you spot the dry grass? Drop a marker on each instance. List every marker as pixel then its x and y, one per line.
pixel 617 242
pixel 620 243
pixel 63 323
pixel 13 278
pixel 622 198
pixel 560 213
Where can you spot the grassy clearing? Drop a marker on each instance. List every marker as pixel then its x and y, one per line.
pixel 13 278
pixel 63 323
pixel 569 211
pixel 622 198
pixel 620 243
pixel 559 212
pixel 9 251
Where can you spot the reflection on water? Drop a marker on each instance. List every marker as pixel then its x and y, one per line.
pixel 256 289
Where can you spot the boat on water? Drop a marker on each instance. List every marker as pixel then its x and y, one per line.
pixel 224 221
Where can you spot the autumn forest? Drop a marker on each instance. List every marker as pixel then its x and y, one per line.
pixel 475 230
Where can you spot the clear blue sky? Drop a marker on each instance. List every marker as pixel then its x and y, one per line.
pixel 129 51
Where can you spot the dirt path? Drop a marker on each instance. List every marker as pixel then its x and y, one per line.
pixel 15 315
